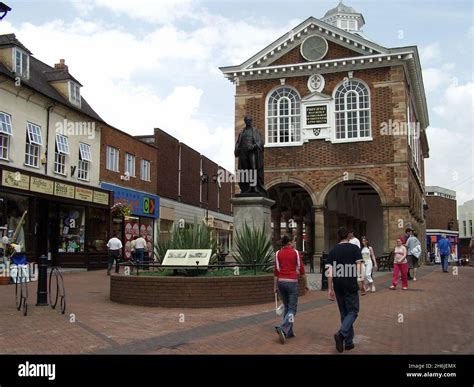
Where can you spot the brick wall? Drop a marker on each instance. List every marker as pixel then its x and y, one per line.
pixel 168 164
pixel 193 292
pixel 128 144
pixel 335 51
pixel 440 212
pixel 210 168
pixel 190 175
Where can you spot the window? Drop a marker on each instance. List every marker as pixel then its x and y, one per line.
pixel 4 140
pixel 470 227
pixel 33 143
pixel 145 170
pixel 62 144
pixel 5 133
pixel 84 161
pixel 21 61
pixel 62 149
pixel 112 163
pixel 413 136
pixel 283 117
pixel 85 152
pixel 59 163
pixel 74 93
pixel 352 104
pixel 71 229
pixel 130 164
pixel 5 123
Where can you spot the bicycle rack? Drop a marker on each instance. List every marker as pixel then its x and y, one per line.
pixel 60 292
pixel 21 292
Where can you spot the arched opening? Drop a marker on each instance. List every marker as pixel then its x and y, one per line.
pixel 356 205
pixel 292 213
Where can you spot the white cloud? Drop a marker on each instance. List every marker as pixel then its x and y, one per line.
pixel 153 11
pixel 429 52
pixel 437 78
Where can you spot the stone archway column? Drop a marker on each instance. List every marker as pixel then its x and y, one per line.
pixel 319 234
pixel 276 218
pixel 386 228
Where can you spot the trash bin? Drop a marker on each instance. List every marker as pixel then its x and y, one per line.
pixel 324 279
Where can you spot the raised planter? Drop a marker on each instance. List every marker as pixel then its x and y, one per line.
pixel 193 292
pixel 4 280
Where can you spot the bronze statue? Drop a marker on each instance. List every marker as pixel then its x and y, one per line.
pixel 249 150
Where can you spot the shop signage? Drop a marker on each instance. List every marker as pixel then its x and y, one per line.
pixel 64 190
pixel 140 203
pixel 41 185
pixel 15 180
pixel 84 194
pixel 101 197
pixel 316 115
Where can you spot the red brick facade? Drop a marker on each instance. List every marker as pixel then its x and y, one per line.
pixel 385 162
pixel 128 144
pixel 441 213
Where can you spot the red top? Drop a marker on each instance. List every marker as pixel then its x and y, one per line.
pixel 288 263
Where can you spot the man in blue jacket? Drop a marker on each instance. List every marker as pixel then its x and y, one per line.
pixel 444 247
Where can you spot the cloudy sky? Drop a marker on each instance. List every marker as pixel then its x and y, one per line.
pixel 147 64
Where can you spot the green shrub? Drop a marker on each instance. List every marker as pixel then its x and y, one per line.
pixel 253 246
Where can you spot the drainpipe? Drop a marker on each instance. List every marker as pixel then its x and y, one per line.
pixel 48 114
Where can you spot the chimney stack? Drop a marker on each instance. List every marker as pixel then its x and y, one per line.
pixel 61 65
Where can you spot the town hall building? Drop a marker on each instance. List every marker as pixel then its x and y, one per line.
pixel 344 122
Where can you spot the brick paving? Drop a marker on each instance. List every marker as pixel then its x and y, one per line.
pixel 437 318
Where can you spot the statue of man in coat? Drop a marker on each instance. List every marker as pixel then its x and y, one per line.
pixel 249 150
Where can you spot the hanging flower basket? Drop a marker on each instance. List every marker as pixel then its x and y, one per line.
pixel 120 211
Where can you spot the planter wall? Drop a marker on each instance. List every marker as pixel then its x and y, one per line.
pixel 193 292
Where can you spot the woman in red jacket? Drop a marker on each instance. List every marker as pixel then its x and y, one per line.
pixel 288 265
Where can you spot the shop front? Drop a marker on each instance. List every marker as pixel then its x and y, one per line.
pixel 140 219
pixel 67 222
pixel 432 238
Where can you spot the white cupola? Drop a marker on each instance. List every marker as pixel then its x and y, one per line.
pixel 345 18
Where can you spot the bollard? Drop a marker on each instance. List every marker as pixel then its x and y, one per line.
pixel 42 299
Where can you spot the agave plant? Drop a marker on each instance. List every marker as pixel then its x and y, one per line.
pixel 253 246
pixel 196 236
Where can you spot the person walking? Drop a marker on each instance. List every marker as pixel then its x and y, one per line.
pixel 114 246
pixel 353 239
pixel 370 263
pixel 445 248
pixel 344 287
pixel 400 264
pixel 288 265
pixel 414 251
pixel 139 247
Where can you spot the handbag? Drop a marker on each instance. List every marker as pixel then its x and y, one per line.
pixel 279 309
pixel 416 251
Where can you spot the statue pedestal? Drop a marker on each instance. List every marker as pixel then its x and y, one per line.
pixel 253 210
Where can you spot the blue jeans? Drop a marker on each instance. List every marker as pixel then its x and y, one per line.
pixel 289 295
pixel 444 262
pixel 139 255
pixel 348 304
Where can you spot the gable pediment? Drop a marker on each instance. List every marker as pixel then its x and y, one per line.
pixel 316 96
pixel 290 42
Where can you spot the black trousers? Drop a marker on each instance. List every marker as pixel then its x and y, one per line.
pixel 113 256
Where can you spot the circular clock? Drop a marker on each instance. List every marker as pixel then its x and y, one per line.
pixel 314 48
pixel 316 82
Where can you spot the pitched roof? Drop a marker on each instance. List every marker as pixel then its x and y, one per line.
pixel 40 76
pixel 9 40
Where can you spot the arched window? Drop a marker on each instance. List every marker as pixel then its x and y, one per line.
pixel 352 110
pixel 283 117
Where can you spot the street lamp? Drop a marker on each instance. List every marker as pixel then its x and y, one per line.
pixel 4 9
pixel 205 180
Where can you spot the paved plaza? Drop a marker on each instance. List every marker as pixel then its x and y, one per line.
pixel 435 316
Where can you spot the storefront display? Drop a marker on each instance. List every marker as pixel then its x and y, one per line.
pixel 68 223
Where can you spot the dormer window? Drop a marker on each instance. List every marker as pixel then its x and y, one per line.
pixel 21 61
pixel 74 93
